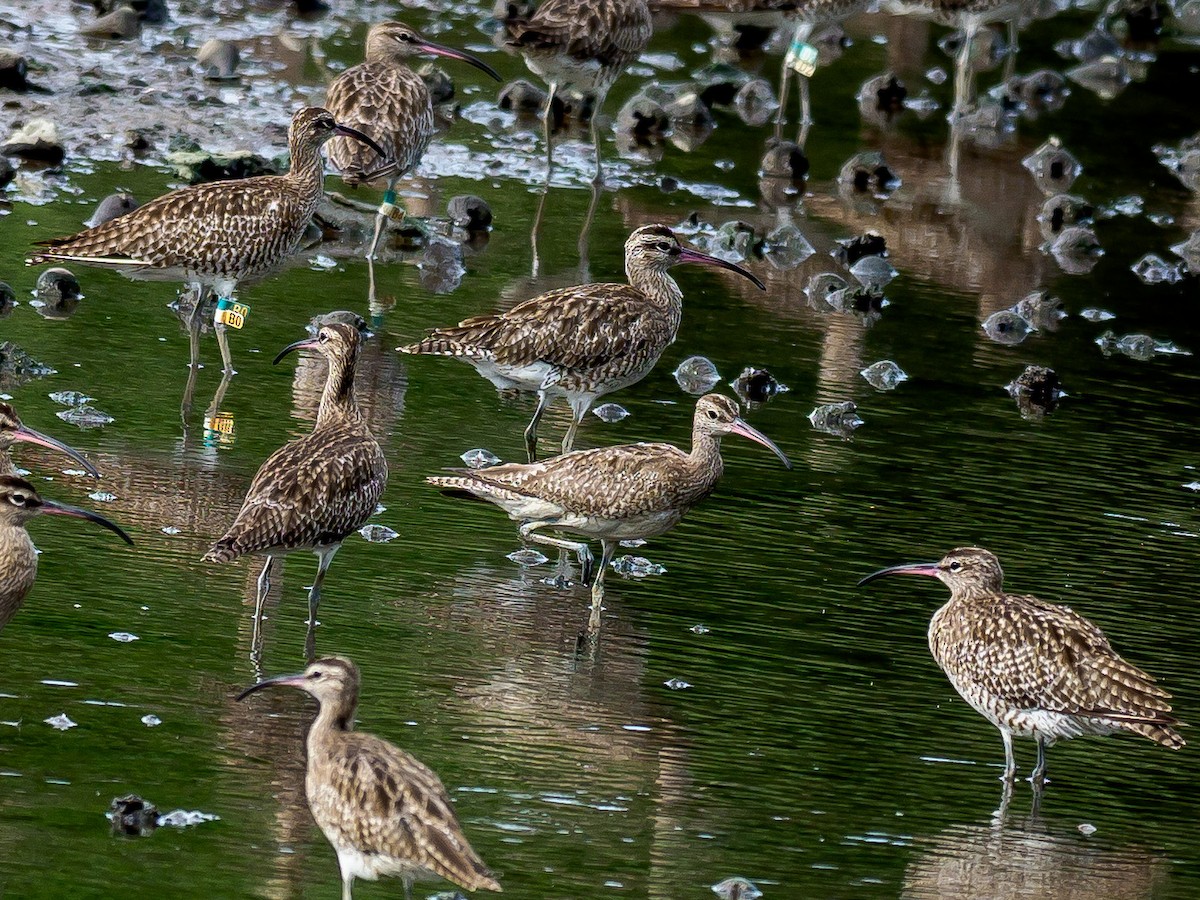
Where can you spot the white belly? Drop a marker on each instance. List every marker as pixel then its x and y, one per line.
pixel 522 378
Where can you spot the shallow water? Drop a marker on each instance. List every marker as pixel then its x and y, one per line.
pixel 819 751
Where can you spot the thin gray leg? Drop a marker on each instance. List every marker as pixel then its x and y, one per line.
pixel 531 429
pixel 579 408
pixel 260 598
pixel 607 549
pixel 325 557
pixel 529 532
pixel 198 292
pixel 1038 776
pixel 785 77
pixel 1010 762
pixel 347 887
pixel 548 126
pixel 805 104
pixel 962 69
pixel 381 216
pixel 223 343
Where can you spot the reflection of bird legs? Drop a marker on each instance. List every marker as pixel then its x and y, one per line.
pixel 548 127
pixel 586 234
pixel 535 231
pixel 598 178
pixel 953 151
pixel 963 70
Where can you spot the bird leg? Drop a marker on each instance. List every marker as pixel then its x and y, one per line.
pixel 529 532
pixel 348 887
pixel 598 178
pixel 223 343
pixel 962 70
pixel 324 558
pixel 1038 777
pixel 607 549
pixel 193 324
pixel 579 408
pixel 387 210
pixel 1010 61
pixel 260 597
pixel 1010 762
pixel 548 124
pixel 531 429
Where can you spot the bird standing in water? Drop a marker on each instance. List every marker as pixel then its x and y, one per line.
pixel 384 811
pixel 581 342
pixel 386 100
pixel 315 491
pixel 215 235
pixel 1032 668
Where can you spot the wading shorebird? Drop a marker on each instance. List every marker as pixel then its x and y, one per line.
pixel 1032 668
pixel 214 235
pixel 386 100
pixel 580 44
pixel 581 342
pixel 13 431
pixel 626 492
pixel 315 491
pixel 20 502
pixel 384 811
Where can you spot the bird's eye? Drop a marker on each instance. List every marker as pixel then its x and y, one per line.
pixel 955 566
pixel 315 675
pixel 663 246
pixel 18 499
pixel 324 338
pixel 404 37
pixel 712 414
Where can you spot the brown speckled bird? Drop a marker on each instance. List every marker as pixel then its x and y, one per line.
pixel 627 492
pixel 580 342
pixel 13 430
pixel 1032 668
pixel 384 811
pixel 315 491
pixel 581 44
pixel 19 502
pixel 217 234
pixel 385 99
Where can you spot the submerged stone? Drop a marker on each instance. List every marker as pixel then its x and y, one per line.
pixel 697 375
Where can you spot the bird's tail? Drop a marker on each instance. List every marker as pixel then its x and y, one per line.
pixel 436 345
pixel 222 551
pixel 1165 735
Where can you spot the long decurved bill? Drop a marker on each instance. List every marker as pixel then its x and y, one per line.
pixel 930 569
pixel 61 509
pixel 695 256
pixel 358 136
pixel 29 436
pixel 280 680
pixel 461 56
pixel 306 344
pixel 748 431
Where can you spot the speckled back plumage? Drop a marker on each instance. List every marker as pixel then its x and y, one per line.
pixel 223 229
pixel 18 569
pixel 317 489
pixel 389 102
pixel 1013 657
pixel 610 33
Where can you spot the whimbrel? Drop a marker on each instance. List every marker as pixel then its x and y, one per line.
pixel 20 502
pixel 581 44
pixel 581 342
pixel 384 811
pixel 1033 668
pixel 217 234
pixel 385 99
pixel 315 491
pixel 13 430
pixel 626 492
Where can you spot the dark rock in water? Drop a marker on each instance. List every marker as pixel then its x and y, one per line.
pixel 7 172
pixel 719 83
pixel 441 267
pixel 522 96
pixel 1037 391
pixel 869 244
pixel 218 60
pixel 736 888
pixel 736 239
pixel 1145 22
pixel 37 141
pixel 1041 310
pixel 338 317
pixel 1044 89
pixel 441 86
pixel 1006 327
pixel 119 25
pixel 470 212
pixel 668 185
pixel 750 37
pixel 201 166
pixel 18 367
pixel 511 10
pixel 882 97
pixel 838 419
pixel 783 159
pixel 311 8
pixel 152 11
pixel 1052 167
pixel 12 72
pixel 137 140
pixel 8 299
pixel 643 116
pixel 1063 210
pixel 132 815
pixel 181 143
pixel 867 172
pixel 111 207
pixel 755 102
pixel 58 285
pixel 757 385
pixel 688 111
